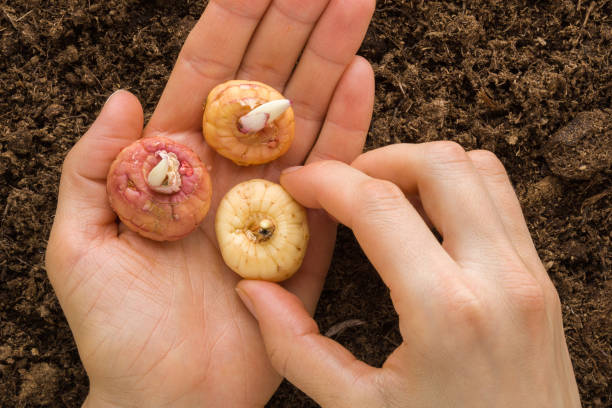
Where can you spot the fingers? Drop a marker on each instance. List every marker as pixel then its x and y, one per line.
pixel 279 40
pixel 342 138
pixel 392 234
pixel 348 119
pixel 83 211
pixel 212 54
pixel 504 198
pixel 452 192
pixel 330 49
pixel 317 365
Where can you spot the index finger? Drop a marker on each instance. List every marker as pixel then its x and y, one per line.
pixel 211 55
pixel 395 238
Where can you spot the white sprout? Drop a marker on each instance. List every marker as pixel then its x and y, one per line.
pixel 165 177
pixel 258 118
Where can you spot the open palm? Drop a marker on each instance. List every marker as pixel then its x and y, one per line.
pixel 160 323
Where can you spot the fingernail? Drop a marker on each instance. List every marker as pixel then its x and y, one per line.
pixel 111 95
pixel 246 300
pixel 291 170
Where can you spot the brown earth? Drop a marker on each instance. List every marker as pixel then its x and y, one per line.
pixel 530 81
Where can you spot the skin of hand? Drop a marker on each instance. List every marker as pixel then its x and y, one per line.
pixel 160 323
pixel 479 317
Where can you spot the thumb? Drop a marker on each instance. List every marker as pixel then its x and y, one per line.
pixel 319 366
pixel 83 210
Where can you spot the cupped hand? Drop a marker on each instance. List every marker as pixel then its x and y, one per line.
pixel 160 323
pixel 479 317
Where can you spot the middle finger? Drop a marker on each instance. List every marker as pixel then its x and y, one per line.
pixel 453 196
pixel 329 51
pixel 211 54
pixel 392 234
pixel 279 40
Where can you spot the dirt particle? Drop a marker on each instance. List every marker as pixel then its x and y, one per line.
pixel 5 352
pixel 583 147
pixel 501 76
pixel 541 194
pixel 39 384
pixel 53 110
pixel 68 56
pixel 8 43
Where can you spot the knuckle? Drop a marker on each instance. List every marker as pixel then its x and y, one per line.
pixel 382 189
pixel 443 154
pixel 249 9
pixel 468 311
pixel 69 158
pixel 345 17
pixel 523 289
pixel 326 166
pixel 257 70
pixel 465 311
pixel 551 295
pixel 307 110
pixel 377 201
pixel 555 302
pixel 321 155
pixel 279 360
pixel 62 256
pixel 486 159
pixel 379 195
pixel 298 10
pixel 528 296
pixel 531 308
pixel 487 162
pixel 282 351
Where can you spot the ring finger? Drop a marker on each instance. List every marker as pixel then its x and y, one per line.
pixel 329 51
pixel 498 184
pixel 393 236
pixel 453 196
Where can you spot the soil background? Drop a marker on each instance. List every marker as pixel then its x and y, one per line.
pixel 528 80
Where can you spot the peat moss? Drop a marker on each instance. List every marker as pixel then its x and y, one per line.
pixel 506 76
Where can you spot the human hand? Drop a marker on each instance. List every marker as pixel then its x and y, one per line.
pixel 160 323
pixel 479 317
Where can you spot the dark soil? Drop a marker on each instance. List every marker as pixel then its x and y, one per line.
pixel 530 81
